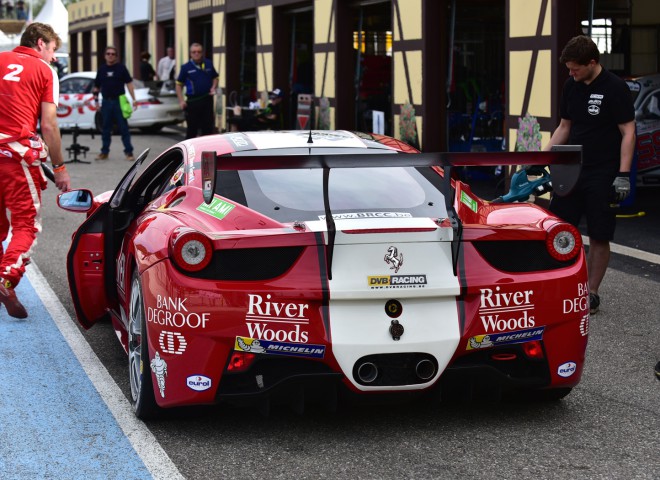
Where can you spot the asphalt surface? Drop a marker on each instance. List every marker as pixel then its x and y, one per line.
pixel 606 428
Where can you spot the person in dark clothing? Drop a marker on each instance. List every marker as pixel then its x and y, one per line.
pixel 269 118
pixel 147 72
pixel 110 81
pixel 200 79
pixel 21 13
pixel 596 112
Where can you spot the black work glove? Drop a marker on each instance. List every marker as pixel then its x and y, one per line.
pixel 621 186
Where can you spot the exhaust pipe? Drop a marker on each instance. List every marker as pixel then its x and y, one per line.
pixel 425 369
pixel 367 372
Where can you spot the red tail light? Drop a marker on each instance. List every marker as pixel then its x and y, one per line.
pixel 563 241
pixel 192 251
pixel 240 362
pixel 533 349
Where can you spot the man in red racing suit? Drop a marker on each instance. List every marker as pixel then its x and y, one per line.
pixel 29 89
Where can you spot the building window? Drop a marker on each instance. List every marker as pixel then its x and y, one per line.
pixel 601 33
pixel 373 43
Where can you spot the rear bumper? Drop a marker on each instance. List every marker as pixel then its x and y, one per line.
pixel 296 381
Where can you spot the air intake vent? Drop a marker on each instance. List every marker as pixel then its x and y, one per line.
pixel 249 264
pixel 519 256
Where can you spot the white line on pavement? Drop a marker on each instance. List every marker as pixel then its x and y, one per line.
pixel 630 252
pixel 145 444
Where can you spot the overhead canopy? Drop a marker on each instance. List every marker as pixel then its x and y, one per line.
pixel 53 13
pixel 56 15
pixel 7 43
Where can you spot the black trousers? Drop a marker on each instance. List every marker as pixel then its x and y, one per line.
pixel 199 116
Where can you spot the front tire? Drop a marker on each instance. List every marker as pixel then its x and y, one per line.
pixel 142 390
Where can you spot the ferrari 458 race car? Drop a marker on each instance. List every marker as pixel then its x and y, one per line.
pixel 270 266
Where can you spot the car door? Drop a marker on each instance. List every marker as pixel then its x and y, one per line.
pixel 86 265
pixel 76 103
pixel 91 261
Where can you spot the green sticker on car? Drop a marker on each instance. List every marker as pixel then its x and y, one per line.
pixel 217 208
pixel 470 202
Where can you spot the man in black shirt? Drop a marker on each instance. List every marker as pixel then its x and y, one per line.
pixel 596 112
pixel 147 72
pixel 270 117
pixel 110 81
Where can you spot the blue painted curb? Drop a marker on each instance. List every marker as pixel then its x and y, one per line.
pixel 53 422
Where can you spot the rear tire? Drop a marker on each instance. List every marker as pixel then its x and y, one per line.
pixel 142 390
pixel 151 129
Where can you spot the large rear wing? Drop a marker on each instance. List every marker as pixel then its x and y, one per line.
pixel 560 155
pixel 565 163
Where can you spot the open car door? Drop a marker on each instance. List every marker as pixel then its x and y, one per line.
pixel 91 267
pixel 86 265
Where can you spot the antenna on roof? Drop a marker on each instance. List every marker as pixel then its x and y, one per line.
pixel 309 139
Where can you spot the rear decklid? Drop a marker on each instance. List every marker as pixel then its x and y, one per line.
pixel 389 272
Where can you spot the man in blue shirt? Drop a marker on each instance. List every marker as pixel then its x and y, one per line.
pixel 110 81
pixel 200 79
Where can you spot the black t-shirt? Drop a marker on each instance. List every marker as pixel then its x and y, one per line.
pixel 595 111
pixel 147 72
pixel 261 120
pixel 111 79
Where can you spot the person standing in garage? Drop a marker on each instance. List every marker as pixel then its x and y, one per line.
pixel 110 81
pixel 147 72
pixel 29 88
pixel 596 112
pixel 200 79
pixel 167 66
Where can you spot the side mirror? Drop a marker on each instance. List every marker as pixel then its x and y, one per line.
pixel 80 200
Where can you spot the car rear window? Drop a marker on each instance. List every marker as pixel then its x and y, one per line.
pixel 290 195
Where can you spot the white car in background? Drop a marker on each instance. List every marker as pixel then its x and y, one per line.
pixel 78 108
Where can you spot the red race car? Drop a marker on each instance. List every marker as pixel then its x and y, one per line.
pixel 269 266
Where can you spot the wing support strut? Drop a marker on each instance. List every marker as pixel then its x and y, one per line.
pixel 455 222
pixel 329 220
